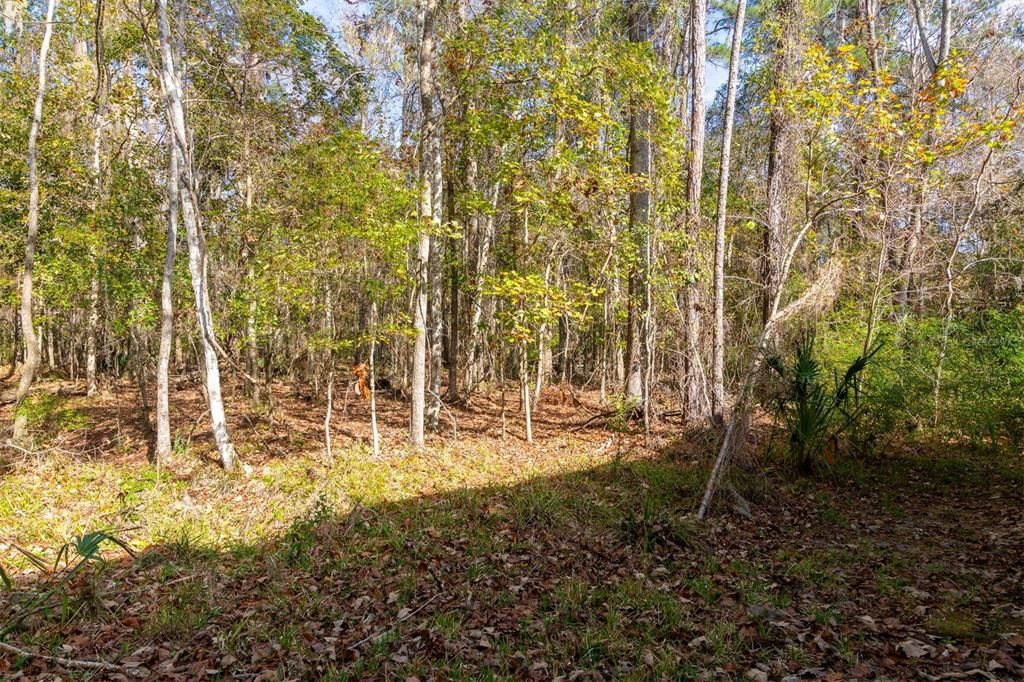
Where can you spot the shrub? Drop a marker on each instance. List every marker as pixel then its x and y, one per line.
pixel 814 412
pixel 980 391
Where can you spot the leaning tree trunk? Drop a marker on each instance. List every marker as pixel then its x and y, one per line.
pixel 819 296
pixel 718 342
pixel 196 254
pixel 31 363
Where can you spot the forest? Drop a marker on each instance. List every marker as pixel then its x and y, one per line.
pixel 511 339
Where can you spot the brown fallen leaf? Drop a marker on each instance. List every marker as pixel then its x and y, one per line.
pixel 912 649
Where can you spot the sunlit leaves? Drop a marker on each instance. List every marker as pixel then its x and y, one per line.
pixel 529 301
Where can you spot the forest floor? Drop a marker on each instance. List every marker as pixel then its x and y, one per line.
pixel 483 557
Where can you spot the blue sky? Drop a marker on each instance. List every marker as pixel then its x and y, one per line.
pixel 331 10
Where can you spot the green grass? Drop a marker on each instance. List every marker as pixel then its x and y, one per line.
pixel 565 561
pixel 952 625
pixel 51 413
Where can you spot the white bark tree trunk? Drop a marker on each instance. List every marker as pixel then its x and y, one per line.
pixel 483 307
pixel 31 362
pixel 196 251
pixel 374 431
pixel 163 414
pixel 428 8
pixel 13 20
pixel 92 324
pixel 99 186
pixel 251 338
pixel 782 138
pixel 524 390
pixel 718 342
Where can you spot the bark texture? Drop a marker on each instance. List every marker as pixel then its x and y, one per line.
pixel 31 361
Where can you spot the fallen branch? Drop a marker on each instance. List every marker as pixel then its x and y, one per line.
pixel 383 631
pixel 584 424
pixel 60 660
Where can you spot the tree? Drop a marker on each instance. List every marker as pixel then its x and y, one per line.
pixel 163 363
pixel 721 216
pixel 28 330
pixel 430 170
pixel 640 312
pixel 781 148
pixel 695 406
pixel 529 302
pixel 197 260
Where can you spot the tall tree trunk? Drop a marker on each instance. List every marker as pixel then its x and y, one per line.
pixel 543 347
pixel 31 362
pixel 163 413
pixel 454 327
pixel 99 124
pixel 196 248
pixel 435 329
pixel 695 407
pixel 251 338
pixel 780 155
pixel 639 312
pixel 435 300
pixel 482 305
pixel 919 188
pixel 92 325
pixel 374 431
pixel 13 16
pixel 718 343
pixel 945 30
pixel 428 157
pixel 868 10
pixel 524 390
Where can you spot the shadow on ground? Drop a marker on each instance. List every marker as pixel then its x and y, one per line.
pixel 593 574
pixel 573 559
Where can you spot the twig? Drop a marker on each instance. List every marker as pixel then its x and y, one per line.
pixel 20 449
pixel 182 579
pixel 383 631
pixel 69 662
pixel 195 425
pixel 584 424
